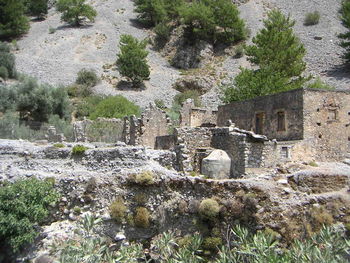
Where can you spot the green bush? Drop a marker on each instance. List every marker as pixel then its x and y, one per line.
pixel 151 12
pixel 37 8
pixel 35 102
pixel 4 73
pixel 345 19
pixel 319 84
pixel 7 60
pixel 209 209
pixel 87 106
pixel 87 78
pixel 212 243
pixel 162 31
pixel 75 12
pixel 79 150
pixel 117 210
pixel 23 205
pixel 114 107
pixel 312 18
pixel 160 104
pixel 144 178
pixel 132 59
pixel 13 21
pixel 142 217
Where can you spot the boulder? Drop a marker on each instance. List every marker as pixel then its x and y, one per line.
pixel 217 165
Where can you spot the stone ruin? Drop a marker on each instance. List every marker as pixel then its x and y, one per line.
pixel 191 116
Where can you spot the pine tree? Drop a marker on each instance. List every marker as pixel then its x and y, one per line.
pixel 13 22
pixel 75 11
pixel 345 18
pixel 278 53
pixel 37 8
pixel 132 61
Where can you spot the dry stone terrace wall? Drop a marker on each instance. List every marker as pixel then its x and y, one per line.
pixel 243 114
pixel 327 123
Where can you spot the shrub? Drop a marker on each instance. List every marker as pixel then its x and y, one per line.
pixel 13 21
pixel 77 210
pixel 114 107
pixel 209 209
pixel 319 84
pixel 144 178
pixel 4 73
pixel 23 205
pixel 160 104
pixel 37 8
pixel 87 106
pixel 212 243
pixel 79 150
pixel 320 217
pixel 104 131
pixel 59 145
pixel 132 61
pixel 87 78
pixel 151 12
pixel 203 18
pixel 52 30
pixel 345 19
pixel 162 31
pixel 117 210
pixel 312 18
pixel 142 217
pixel 75 11
pixel 239 51
pixel 7 60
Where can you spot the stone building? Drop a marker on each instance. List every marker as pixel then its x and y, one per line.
pixel 308 124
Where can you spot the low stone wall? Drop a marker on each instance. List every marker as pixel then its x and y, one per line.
pixel 165 142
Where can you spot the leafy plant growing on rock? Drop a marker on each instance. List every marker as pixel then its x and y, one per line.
pixel 312 18
pixel 132 59
pixel 209 209
pixel 79 150
pixel 117 210
pixel 75 12
pixel 142 217
pixel 23 206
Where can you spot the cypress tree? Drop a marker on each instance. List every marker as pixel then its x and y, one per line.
pixel 278 55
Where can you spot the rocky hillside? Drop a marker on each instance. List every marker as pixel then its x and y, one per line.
pixel 57 57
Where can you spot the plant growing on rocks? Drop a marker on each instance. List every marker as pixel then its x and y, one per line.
pixel 37 8
pixel 87 77
pixel 142 217
pixel 209 209
pixel 132 59
pixel 75 12
pixel 23 206
pixel 279 55
pixel 117 210
pixel 7 62
pixel 312 18
pixel 79 150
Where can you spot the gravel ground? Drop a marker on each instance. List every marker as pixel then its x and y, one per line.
pixel 56 58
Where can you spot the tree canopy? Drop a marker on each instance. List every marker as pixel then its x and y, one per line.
pixel 132 59
pixel 75 12
pixel 278 55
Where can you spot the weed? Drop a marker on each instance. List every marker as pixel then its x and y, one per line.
pixel 209 209
pixel 142 217
pixel 79 150
pixel 59 145
pixel 312 18
pixel 117 210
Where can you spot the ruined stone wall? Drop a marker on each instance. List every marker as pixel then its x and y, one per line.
pixel 188 141
pixel 190 116
pixel 99 130
pixel 243 114
pixel 327 123
pixel 144 130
